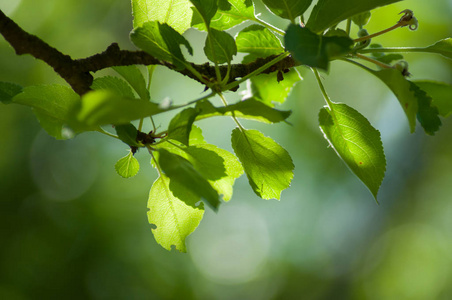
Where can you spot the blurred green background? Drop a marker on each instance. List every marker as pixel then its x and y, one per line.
pixel 71 228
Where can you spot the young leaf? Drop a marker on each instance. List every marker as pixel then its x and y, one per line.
pixel 220 47
pixel 362 19
pixel 175 13
pixel 181 124
pixel 128 134
pixel 113 84
pixel 267 165
pixel 266 88
pixel 206 9
pixel 161 41
pixel 327 13
pixel 288 9
pixel 441 94
pixel 8 90
pixel 250 109
pixel 402 90
pixel 356 142
pixel 229 14
pixel 103 107
pixel 135 78
pixel 174 219
pixel 183 174
pixel 127 166
pixel 258 41
pixel 315 50
pixel 427 114
pixel 52 105
pixel 443 47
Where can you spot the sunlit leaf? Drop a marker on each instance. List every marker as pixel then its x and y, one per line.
pixel 266 88
pixel 327 13
pixel 220 46
pixel 267 165
pixel 103 107
pixel 127 166
pixel 135 78
pixel 175 13
pixel 443 47
pixel 206 9
pixel 287 9
pixel 8 90
pixel 174 219
pixel 314 50
pixel 356 142
pixel 441 94
pixel 161 41
pixel 229 14
pixel 250 109
pixel 53 105
pixel 183 174
pixel 362 19
pixel 113 84
pixel 258 41
pixel 181 124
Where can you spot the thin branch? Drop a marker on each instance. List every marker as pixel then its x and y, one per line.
pixel 77 72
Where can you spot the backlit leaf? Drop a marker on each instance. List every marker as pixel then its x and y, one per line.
pixel 127 166
pixel 267 165
pixel 161 41
pixel 175 13
pixel 327 13
pixel 315 50
pixel 184 175
pixel 287 9
pixel 356 142
pixel 135 78
pixel 220 46
pixel 206 8
pixel 443 47
pixel 181 124
pixel 113 84
pixel 174 219
pixel 258 41
pixel 441 94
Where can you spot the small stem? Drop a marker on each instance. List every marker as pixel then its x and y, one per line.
pixel 103 131
pixel 393 50
pixel 153 124
pixel 322 88
pixel 356 64
pixel 159 170
pixel 140 125
pixel 200 99
pixel 225 103
pixel 256 72
pixel 374 61
pixel 378 33
pixel 269 26
pixel 349 26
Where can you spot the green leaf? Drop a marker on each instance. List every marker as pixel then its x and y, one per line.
pixel 362 19
pixel 161 41
pixel 427 114
pixel 183 174
pixel 267 165
pixel 259 42
pixel 356 142
pixel 52 105
pixel 206 9
pixel 315 50
pixel 135 78
pixel 8 90
pixel 181 124
pixel 103 107
pixel 220 47
pixel 250 109
pixel 288 9
pixel 266 88
pixel 128 134
pixel 327 13
pixel 174 219
pixel 229 14
pixel 443 47
pixel 175 13
pixel 113 84
pixel 402 90
pixel 127 166
pixel 441 94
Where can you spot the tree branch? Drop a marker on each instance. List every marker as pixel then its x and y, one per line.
pixel 77 72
